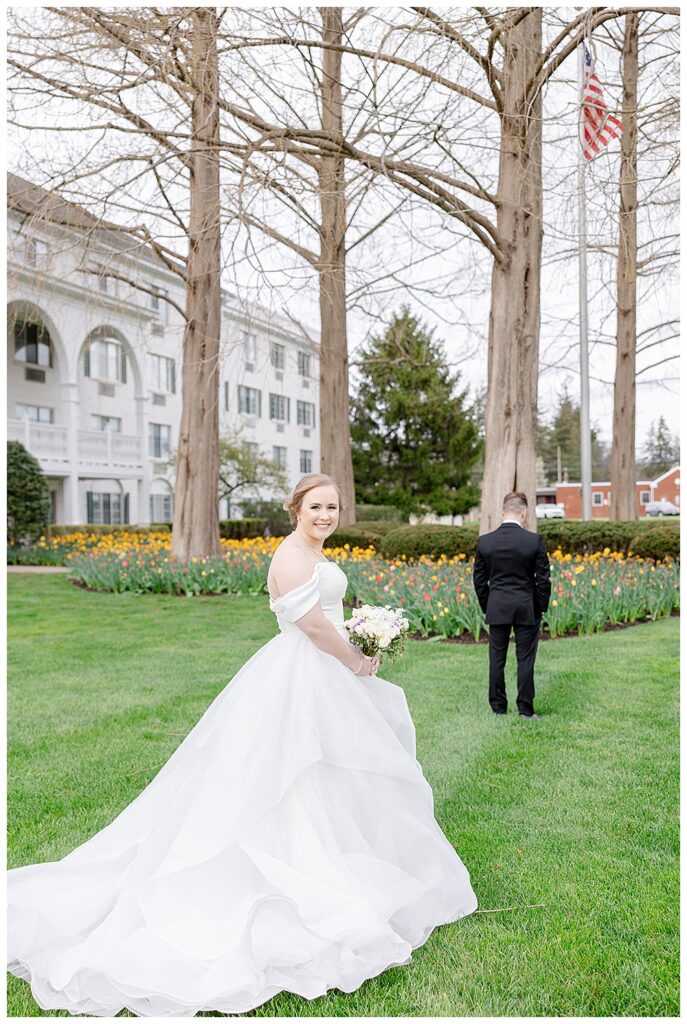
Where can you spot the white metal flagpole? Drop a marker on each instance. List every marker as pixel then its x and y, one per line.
pixel 585 433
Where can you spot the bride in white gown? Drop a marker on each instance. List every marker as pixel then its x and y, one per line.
pixel 289 843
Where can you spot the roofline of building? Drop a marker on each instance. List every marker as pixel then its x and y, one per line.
pixel 607 483
pixel 50 207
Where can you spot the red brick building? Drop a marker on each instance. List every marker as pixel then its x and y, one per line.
pixel 665 486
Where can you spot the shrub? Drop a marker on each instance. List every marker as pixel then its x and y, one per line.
pixel 579 538
pixel 375 513
pixel 28 496
pixel 380 527
pixel 658 544
pixel 355 536
pixel 430 539
pixel 277 518
pixel 240 529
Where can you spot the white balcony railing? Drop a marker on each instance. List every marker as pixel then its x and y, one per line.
pixel 109 448
pixel 44 440
pixel 49 444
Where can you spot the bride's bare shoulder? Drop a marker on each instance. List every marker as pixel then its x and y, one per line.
pixel 289 567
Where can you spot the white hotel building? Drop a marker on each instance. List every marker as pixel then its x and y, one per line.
pixel 94 367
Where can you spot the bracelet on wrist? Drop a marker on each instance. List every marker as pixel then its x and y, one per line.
pixel 362 662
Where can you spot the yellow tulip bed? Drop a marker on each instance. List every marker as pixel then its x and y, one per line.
pixel 589 592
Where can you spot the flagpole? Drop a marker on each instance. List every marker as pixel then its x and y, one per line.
pixel 585 435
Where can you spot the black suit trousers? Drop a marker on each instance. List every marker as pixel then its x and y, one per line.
pixel 526 641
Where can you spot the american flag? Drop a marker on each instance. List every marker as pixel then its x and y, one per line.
pixel 597 126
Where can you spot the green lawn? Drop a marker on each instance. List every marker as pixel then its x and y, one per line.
pixel 577 812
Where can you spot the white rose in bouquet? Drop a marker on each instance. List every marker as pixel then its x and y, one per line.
pixel 377 630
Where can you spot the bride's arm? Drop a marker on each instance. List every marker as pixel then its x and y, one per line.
pixel 289 575
pixel 325 636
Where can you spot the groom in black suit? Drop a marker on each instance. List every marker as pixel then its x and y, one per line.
pixel 513 584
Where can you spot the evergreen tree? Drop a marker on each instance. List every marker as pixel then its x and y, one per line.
pixel 661 450
pixel 564 432
pixel 28 495
pixel 414 439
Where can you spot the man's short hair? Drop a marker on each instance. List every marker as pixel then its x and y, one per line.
pixel 515 503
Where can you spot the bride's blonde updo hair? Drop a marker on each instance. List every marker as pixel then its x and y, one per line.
pixel 305 484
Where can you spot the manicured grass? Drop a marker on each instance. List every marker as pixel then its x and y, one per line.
pixel 577 812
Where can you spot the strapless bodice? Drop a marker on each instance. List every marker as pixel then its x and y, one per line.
pixel 327 585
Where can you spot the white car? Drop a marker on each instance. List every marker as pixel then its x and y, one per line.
pixel 661 508
pixel 551 510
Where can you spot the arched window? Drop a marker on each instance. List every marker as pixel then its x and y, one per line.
pixel 32 343
pixel 105 359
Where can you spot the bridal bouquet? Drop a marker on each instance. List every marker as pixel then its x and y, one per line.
pixel 377 630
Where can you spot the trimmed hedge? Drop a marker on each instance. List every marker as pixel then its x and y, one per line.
pixel 242 529
pixel 377 513
pixel 571 537
pixel 355 537
pixel 430 539
pixel 381 528
pixel 276 517
pixel 657 544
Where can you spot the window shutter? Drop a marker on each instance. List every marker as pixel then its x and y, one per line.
pixel 288 410
pixel 87 365
pixel 173 377
pixel 89 506
pixel 259 403
pixel 123 365
pixel 126 507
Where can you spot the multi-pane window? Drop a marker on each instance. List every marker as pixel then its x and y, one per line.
pixel 113 423
pixel 644 497
pixel 252 449
pixel 279 456
pixel 249 400
pixel 249 346
pixel 305 414
pixel 278 356
pixel 306 460
pixel 163 374
pixel 36 252
pixel 105 359
pixel 106 508
pixel 304 363
pixel 32 343
pixel 280 408
pixel 597 498
pixel 159 440
pixel 35 413
pixel 160 508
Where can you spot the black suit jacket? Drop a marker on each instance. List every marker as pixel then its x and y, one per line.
pixel 512 576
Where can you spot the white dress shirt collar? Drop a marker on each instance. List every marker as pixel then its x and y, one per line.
pixel 516 521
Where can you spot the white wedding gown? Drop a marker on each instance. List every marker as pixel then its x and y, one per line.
pixel 289 844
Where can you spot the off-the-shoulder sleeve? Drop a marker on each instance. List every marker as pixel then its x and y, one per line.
pixel 298 602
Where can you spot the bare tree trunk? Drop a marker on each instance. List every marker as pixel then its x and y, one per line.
pixel 511 405
pixel 196 526
pixel 623 469
pixel 334 399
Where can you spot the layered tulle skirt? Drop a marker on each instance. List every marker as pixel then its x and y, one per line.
pixel 289 844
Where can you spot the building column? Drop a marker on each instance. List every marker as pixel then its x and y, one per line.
pixel 143 495
pixel 72 511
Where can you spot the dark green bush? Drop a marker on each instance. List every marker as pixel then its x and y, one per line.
pixel 380 527
pixel 375 513
pixel 277 518
pixel 430 539
pixel 355 536
pixel 28 496
pixel 240 529
pixel 658 544
pixel 575 537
